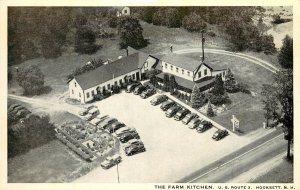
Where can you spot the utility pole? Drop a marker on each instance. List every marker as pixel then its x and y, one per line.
pixel 203 40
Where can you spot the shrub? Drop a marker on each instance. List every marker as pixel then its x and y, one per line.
pixel 85 41
pixel 166 17
pixel 243 88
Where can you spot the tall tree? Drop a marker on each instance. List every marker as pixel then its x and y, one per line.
pixel 172 84
pixel 85 41
pixel 285 56
pixel 218 88
pixel 230 83
pixel 193 22
pixel 166 82
pixel 284 86
pixel 131 33
pixel 270 102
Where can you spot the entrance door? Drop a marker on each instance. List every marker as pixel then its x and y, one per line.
pixel 137 76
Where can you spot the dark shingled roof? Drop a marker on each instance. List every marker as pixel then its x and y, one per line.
pixel 107 72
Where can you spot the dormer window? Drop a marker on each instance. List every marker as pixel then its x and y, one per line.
pixel 171 68
pixel 199 74
pixel 205 72
pixel 75 84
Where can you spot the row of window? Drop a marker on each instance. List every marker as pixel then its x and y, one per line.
pixel 133 76
pixel 182 71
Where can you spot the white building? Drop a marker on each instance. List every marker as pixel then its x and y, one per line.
pixel 123 11
pixel 83 87
pixel 189 72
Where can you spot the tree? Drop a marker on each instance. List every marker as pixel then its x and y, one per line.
pixel 218 88
pixel 285 56
pixel 198 99
pixel 166 82
pixel 270 102
pixel 31 79
pixel 193 23
pixel 167 17
pixel 85 41
pixel 230 83
pixel 284 91
pixel 209 112
pixel 172 84
pixel 131 33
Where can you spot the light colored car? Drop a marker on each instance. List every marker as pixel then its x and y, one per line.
pixel 132 142
pixel 189 117
pixel 95 121
pixel 89 117
pixel 123 130
pixel 110 161
pixel 86 109
pixel 194 123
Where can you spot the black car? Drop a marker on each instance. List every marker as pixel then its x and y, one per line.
pixel 128 136
pixel 203 126
pixel 158 99
pixel 167 104
pixel 220 134
pixel 147 93
pixel 132 86
pixel 172 111
pixel 139 89
pixel 115 126
pixel 181 114
pixel 134 149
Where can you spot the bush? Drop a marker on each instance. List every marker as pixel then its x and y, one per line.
pixel 193 23
pixel 84 41
pixel 243 88
pixel 31 79
pixel 218 100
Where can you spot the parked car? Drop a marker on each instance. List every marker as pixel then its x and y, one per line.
pixel 132 86
pixel 219 134
pixel 194 123
pixel 89 117
pixel 167 104
pixel 128 136
pixel 95 121
pixel 107 122
pixel 133 142
pixel 203 126
pixel 147 93
pixel 134 149
pixel 86 109
pixel 139 89
pixel 123 130
pixel 189 117
pixel 115 126
pixel 181 114
pixel 172 111
pixel 158 99
pixel 110 161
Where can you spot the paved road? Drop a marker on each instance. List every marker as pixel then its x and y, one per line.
pixel 239 162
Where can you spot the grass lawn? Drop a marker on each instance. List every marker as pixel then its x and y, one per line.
pixel 284 173
pixel 52 162
pixel 246 108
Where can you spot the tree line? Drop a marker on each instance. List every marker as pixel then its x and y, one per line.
pixel 236 22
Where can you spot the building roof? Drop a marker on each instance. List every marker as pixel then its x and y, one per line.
pixel 181 61
pixel 189 63
pixel 107 72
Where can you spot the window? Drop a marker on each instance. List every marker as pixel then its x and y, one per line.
pixel 177 69
pixel 75 84
pixel 93 93
pixel 108 86
pixel 199 74
pixel 116 83
pixel 87 95
pixel 133 76
pixel 125 11
pixel 205 72
pixel 120 81
pixel 171 67
pixel 182 71
pixel 224 74
pixel 188 73
pixel 79 94
pixel 103 88
pixel 166 65
pixel 72 91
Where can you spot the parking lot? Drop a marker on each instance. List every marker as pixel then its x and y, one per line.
pixel 172 149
